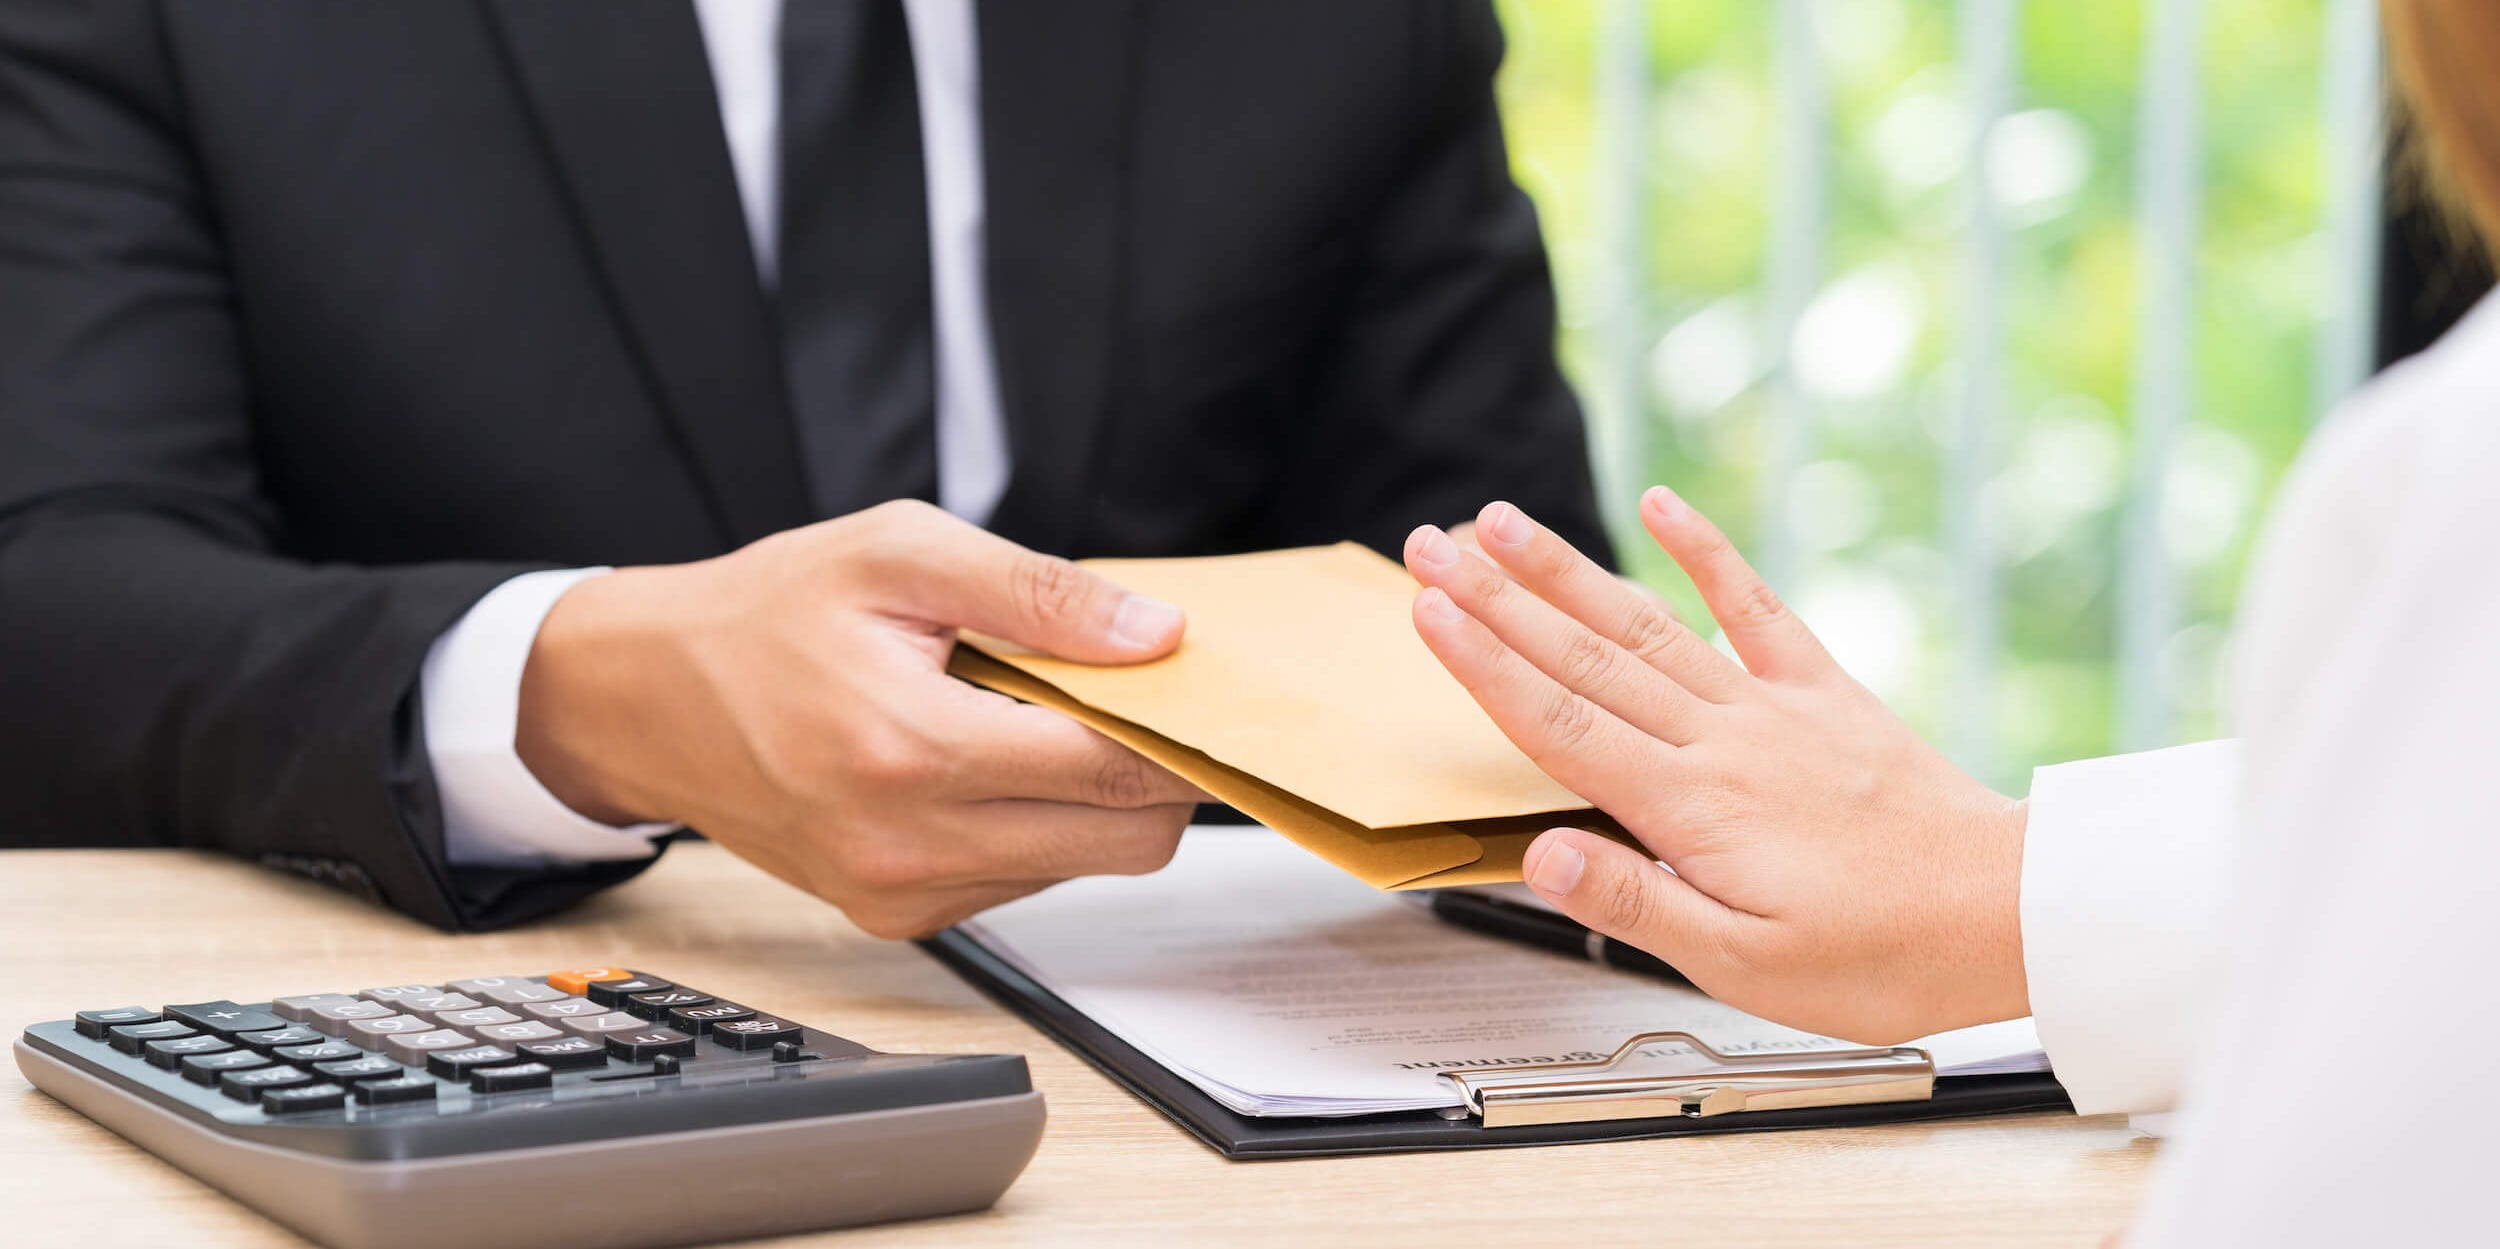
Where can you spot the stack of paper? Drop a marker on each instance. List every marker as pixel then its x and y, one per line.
pixel 1281 987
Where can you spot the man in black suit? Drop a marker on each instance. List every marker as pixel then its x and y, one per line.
pixel 344 347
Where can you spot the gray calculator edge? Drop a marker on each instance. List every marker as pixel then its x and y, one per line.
pixel 657 1189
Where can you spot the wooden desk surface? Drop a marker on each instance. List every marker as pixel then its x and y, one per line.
pixel 101 928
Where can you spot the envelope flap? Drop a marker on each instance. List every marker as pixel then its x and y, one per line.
pixel 1301 668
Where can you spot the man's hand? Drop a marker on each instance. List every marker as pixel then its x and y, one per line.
pixel 790 700
pixel 1831 871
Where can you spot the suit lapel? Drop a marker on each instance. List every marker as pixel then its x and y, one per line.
pixel 1056 127
pixel 623 95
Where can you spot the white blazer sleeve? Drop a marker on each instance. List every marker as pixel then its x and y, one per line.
pixel 2126 871
pixel 495 813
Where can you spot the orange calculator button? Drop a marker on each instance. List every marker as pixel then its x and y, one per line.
pixel 578 980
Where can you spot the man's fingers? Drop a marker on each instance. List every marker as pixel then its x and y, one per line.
pixel 1770 638
pixel 1018 837
pixel 1624 894
pixel 1575 741
pixel 954 574
pixel 1633 619
pixel 1560 647
pixel 1010 749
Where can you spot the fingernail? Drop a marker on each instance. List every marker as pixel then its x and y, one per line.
pixel 1433 548
pixel 1557 872
pixel 1667 503
pixel 1144 623
pixel 1434 603
pixel 1504 524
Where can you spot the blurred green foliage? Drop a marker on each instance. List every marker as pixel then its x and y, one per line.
pixel 1869 508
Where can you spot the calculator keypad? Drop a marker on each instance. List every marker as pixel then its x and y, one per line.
pixel 416 1045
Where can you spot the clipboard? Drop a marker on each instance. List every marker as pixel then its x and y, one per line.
pixel 1555 1104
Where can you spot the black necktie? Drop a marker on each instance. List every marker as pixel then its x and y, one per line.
pixel 854 298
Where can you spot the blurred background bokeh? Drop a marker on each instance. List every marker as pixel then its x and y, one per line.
pixel 1987 328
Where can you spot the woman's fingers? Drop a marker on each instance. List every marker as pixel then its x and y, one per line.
pixel 1624 894
pixel 1595 755
pixel 1560 647
pixel 1541 560
pixel 1771 640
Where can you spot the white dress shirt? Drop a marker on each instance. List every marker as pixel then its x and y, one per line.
pixel 2345 1093
pixel 2126 865
pixel 494 810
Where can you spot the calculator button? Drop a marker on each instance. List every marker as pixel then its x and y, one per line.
pixel 205 1068
pixel 518 994
pixel 757 1033
pixel 578 979
pixel 565 1008
pixel 524 1030
pixel 274 1038
pixel 130 1038
pixel 246 1086
pixel 393 995
pixel 571 1053
pixel 635 1047
pixel 699 1019
pixel 511 1078
pixel 613 1021
pixel 334 1019
pixel 224 1018
pixel 352 1070
pixel 323 1052
pixel 431 1007
pixel 416 1045
pixel 476 1017
pixel 93 1024
pixel 483 985
pixel 612 993
pixel 370 1033
pixel 301 1007
pixel 658 1005
pixel 169 1054
pixel 453 1064
pixel 405 1088
pixel 302 1098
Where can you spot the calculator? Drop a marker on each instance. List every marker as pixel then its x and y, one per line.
pixel 598 1106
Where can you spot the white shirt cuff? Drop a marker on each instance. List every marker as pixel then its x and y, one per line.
pixel 2126 868
pixel 495 813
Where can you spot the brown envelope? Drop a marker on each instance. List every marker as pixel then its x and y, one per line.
pixel 1301 696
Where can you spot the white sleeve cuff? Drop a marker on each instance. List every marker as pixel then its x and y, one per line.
pixel 2126 868
pixel 495 813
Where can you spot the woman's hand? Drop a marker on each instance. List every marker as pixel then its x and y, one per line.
pixel 1831 871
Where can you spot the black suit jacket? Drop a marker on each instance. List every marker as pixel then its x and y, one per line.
pixel 319 320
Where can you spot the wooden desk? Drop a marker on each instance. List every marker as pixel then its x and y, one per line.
pixel 99 928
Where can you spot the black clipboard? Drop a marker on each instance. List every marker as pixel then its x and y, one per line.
pixel 1243 1138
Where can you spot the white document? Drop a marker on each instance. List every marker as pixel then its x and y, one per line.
pixel 1281 986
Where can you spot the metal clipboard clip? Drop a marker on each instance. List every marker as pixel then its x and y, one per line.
pixel 1544 1093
